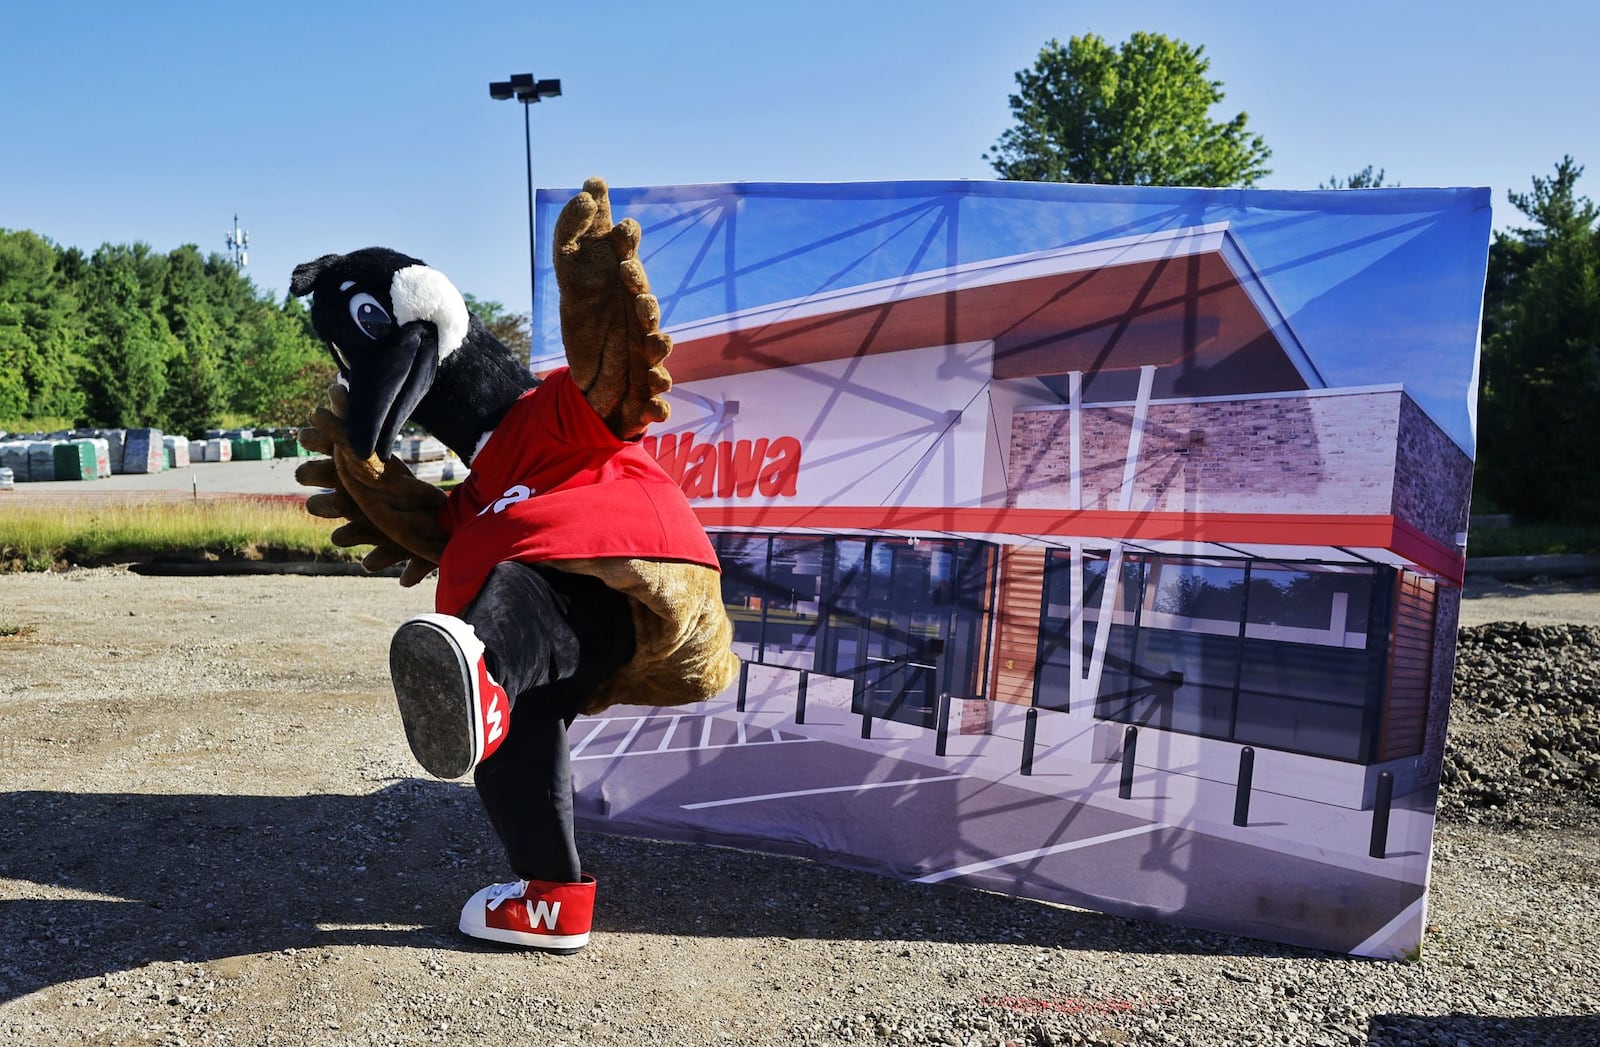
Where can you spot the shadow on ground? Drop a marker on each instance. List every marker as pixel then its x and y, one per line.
pixel 1477 587
pixel 1392 1030
pixel 202 877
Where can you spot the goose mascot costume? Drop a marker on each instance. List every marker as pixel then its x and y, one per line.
pixel 572 573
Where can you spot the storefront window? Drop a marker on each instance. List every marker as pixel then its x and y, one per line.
pixel 905 618
pixel 1268 654
pixel 744 588
pixel 1054 672
pixel 794 604
pixel 1331 602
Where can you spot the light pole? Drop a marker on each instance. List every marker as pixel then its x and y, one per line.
pixel 525 89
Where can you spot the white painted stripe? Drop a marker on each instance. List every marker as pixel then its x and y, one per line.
pixel 1378 944
pixel 1076 699
pixel 666 739
pixel 1110 596
pixel 599 726
pixel 687 749
pixel 735 800
pixel 1075 443
pixel 1130 465
pixel 637 727
pixel 740 725
pixel 705 734
pixel 1042 852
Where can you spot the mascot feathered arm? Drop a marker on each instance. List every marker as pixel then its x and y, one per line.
pixel 385 505
pixel 610 322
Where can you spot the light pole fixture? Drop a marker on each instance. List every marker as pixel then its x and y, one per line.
pixel 525 89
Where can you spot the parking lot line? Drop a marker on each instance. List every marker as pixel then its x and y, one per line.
pixel 1039 852
pixel 735 800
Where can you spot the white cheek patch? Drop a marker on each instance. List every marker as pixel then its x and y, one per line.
pixel 343 359
pixel 423 293
pixel 346 286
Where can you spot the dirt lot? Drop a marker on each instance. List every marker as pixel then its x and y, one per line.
pixel 211 832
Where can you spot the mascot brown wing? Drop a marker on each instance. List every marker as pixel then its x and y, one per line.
pixel 610 322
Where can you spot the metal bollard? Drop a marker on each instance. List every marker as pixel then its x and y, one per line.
pixel 1381 802
pixel 1030 731
pixel 1130 739
pixel 744 682
pixel 800 697
pixel 943 734
pixel 866 716
pixel 1241 799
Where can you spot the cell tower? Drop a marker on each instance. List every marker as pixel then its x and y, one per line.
pixel 239 244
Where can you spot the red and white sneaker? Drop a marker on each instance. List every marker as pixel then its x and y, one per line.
pixel 540 914
pixel 454 712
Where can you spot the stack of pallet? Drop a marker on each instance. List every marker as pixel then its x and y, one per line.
pixel 144 452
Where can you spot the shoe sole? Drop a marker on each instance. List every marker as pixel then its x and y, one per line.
pixel 556 945
pixel 433 687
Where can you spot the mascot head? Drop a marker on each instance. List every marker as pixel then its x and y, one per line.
pixel 390 322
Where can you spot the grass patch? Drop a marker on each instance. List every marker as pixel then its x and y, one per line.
pixel 35 425
pixel 1535 540
pixel 10 631
pixel 39 537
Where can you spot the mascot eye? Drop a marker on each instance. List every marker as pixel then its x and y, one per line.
pixel 369 316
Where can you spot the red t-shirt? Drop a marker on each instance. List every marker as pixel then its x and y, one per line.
pixel 553 483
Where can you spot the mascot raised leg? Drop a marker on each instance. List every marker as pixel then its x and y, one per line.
pixel 573 574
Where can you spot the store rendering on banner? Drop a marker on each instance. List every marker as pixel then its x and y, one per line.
pixel 923 486
pixel 1093 544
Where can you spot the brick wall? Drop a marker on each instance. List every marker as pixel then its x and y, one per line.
pixel 1299 454
pixel 1433 477
pixel 1444 669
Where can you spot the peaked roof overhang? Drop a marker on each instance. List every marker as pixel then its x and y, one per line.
pixel 1187 301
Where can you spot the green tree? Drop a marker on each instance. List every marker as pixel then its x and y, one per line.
pixel 1541 356
pixel 40 331
pixel 1365 178
pixel 194 396
pixel 282 372
pixel 1138 114
pixel 511 328
pixel 128 342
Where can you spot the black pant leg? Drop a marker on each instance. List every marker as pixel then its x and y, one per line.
pixel 552 632
pixel 550 639
pixel 526 788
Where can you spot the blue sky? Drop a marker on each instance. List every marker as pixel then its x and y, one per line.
pixel 337 125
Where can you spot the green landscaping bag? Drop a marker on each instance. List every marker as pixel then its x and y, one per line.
pixel 255 449
pixel 74 460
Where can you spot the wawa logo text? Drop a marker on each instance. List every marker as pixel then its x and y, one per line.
pixel 728 468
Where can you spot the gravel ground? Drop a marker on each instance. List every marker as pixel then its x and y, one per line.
pixel 212 834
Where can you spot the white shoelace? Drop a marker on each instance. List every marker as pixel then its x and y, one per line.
pixel 501 891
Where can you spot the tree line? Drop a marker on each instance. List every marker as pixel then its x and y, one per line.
pixel 128 337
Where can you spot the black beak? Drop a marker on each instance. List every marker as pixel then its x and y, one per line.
pixel 386 384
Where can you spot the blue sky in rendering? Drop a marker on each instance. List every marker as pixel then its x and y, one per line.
pixel 1380 286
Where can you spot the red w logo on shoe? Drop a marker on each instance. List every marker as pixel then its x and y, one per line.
pixel 495 707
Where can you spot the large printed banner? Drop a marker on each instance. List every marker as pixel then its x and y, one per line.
pixel 1093 544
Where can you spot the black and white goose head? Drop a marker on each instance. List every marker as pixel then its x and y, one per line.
pixel 407 347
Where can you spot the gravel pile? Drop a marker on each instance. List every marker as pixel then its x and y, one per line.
pixel 1525 724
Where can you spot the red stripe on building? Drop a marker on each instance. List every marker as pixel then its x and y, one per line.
pixel 1355 532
